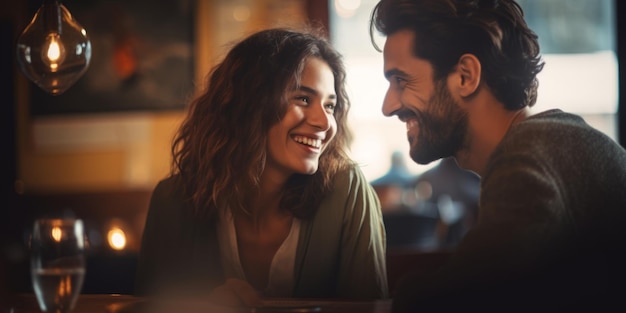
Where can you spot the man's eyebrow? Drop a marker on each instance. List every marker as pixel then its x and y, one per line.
pixel 394 71
pixel 313 91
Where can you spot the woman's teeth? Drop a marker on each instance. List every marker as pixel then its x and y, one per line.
pixel 308 141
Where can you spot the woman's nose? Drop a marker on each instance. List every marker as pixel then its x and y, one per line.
pixel 318 116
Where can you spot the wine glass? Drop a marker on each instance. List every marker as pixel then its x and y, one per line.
pixel 57 263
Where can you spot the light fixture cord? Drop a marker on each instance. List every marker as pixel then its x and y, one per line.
pixel 52 16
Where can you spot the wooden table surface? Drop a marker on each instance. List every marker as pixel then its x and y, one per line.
pixel 112 303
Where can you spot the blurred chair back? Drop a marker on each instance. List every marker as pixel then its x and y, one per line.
pixel 411 231
pixel 401 262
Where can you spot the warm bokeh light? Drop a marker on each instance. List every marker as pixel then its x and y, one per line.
pixel 116 238
pixel 347 8
pixel 56 233
pixel 241 13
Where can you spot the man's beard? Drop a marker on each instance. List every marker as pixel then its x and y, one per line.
pixel 442 128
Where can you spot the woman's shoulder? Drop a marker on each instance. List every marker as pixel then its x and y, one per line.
pixel 351 186
pixel 167 192
pixel 351 175
pixel 169 184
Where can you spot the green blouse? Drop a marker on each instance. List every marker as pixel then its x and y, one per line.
pixel 340 253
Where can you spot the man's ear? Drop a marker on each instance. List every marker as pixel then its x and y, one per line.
pixel 468 70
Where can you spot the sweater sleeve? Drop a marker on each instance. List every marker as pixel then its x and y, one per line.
pixel 362 271
pixel 178 251
pixel 341 251
pixel 155 253
pixel 517 234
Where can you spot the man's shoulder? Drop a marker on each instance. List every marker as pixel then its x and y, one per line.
pixel 555 131
pixel 551 120
pixel 557 143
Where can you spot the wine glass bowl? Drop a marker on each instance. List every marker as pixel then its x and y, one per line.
pixel 57 263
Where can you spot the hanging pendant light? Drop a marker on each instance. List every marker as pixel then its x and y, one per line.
pixel 53 51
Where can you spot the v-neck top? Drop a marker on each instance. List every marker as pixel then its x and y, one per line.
pixel 340 248
pixel 281 275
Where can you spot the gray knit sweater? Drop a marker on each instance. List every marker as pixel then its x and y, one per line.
pixel 551 233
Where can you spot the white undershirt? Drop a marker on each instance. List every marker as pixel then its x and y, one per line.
pixel 281 276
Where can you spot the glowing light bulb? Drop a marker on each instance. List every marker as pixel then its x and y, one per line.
pixel 54 50
pixel 56 233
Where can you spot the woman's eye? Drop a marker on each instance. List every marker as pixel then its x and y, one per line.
pixel 330 107
pixel 303 99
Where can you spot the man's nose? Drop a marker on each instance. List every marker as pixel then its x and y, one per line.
pixel 391 103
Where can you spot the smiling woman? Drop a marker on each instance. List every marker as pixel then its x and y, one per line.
pixel 308 121
pixel 270 206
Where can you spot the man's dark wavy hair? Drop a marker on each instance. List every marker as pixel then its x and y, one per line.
pixel 493 30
